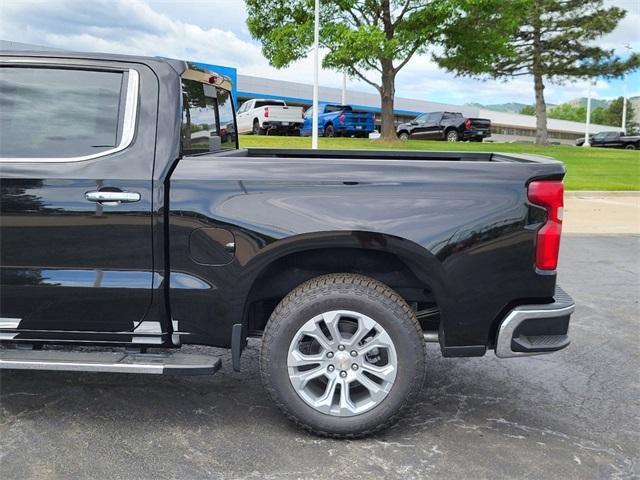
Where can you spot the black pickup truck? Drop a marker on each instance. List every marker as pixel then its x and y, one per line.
pixel 449 126
pixel 612 140
pixel 132 224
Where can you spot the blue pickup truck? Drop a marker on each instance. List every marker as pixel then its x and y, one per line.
pixel 339 120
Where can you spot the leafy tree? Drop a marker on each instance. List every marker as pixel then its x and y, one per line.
pixel 550 40
pixel 612 115
pixel 568 111
pixel 528 110
pixel 368 39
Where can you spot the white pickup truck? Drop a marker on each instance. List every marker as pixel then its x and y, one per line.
pixel 261 116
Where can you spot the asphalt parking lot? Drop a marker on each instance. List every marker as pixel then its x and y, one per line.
pixel 574 414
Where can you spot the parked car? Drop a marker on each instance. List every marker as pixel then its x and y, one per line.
pixel 339 121
pixel 450 126
pixel 612 140
pixel 120 226
pixel 268 117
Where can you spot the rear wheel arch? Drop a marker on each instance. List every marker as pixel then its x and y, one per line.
pixel 416 275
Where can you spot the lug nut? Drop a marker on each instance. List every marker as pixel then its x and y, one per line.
pixel 341 347
pixel 354 353
pixel 354 367
pixel 331 368
pixel 330 355
pixel 343 374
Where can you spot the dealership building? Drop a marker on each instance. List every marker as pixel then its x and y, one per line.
pixel 505 126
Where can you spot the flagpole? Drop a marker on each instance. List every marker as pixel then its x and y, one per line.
pixel 588 119
pixel 316 72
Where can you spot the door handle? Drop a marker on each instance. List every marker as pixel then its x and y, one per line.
pixel 112 198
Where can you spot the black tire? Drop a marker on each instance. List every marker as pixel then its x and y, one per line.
pixel 452 136
pixel 357 293
pixel 256 128
pixel 630 146
pixel 329 131
pixel 404 136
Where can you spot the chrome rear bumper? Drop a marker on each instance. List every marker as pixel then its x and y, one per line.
pixel 536 329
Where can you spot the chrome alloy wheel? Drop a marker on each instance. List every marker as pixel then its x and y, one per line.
pixel 342 363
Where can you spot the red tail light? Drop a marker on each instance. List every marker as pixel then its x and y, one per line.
pixel 467 124
pixel 548 194
pixel 266 112
pixel 341 117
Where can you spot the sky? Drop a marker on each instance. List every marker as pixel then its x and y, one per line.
pixel 215 32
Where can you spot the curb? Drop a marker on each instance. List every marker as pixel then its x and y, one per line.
pixel 601 193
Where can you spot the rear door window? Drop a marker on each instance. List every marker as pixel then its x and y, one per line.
pixel 208 123
pixel 59 113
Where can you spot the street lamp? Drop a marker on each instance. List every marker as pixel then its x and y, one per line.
pixel 316 72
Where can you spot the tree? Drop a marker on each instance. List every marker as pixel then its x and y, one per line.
pixel 362 37
pixel 612 115
pixel 550 40
pixel 528 110
pixel 568 111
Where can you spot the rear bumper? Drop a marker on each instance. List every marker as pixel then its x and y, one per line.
pixel 354 128
pixel 278 125
pixel 468 134
pixel 536 329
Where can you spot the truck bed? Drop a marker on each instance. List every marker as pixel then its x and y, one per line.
pixel 391 155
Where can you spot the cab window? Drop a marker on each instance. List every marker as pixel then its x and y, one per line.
pixel 59 113
pixel 420 119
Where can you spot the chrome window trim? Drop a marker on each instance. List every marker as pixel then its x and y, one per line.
pixel 128 127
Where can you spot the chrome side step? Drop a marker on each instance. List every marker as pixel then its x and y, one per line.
pixel 113 362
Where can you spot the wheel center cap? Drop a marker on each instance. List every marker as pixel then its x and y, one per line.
pixel 342 360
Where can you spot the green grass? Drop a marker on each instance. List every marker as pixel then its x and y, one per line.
pixel 587 168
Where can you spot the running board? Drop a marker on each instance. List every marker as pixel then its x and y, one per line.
pixel 113 362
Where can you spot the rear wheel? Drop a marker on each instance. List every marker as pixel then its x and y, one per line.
pixel 256 128
pixel 342 356
pixel 329 131
pixel 452 136
pixel 630 146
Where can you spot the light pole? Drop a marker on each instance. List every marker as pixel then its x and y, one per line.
pixel 586 130
pixel 624 99
pixel 316 72
pixel 344 88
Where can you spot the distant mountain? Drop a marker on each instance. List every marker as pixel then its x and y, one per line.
pixel 511 107
pixel 515 107
pixel 595 102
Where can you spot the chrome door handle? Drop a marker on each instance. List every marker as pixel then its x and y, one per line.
pixel 112 197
